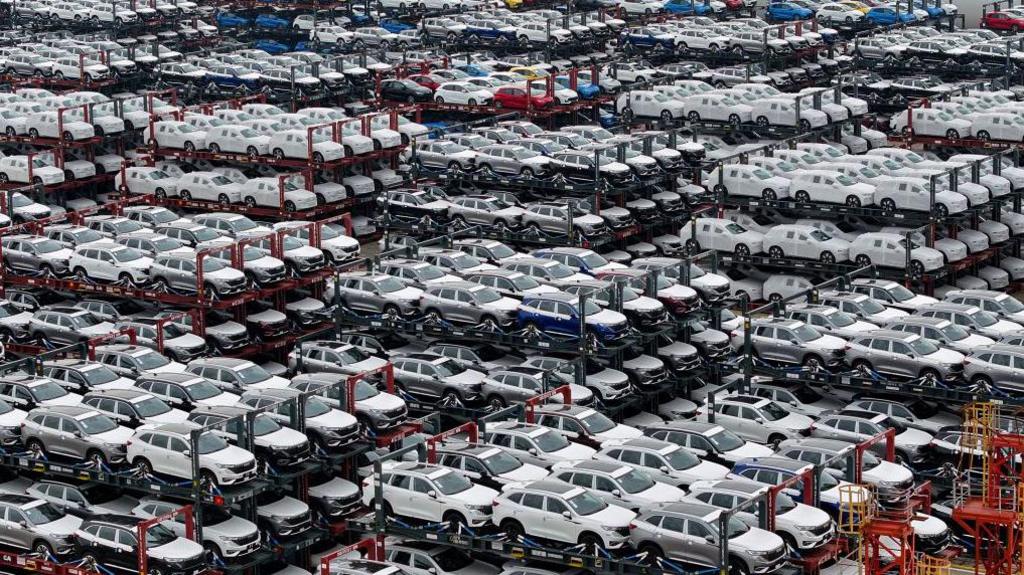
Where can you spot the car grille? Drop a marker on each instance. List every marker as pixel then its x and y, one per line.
pixel 820 529
pixel 775 555
pixel 718 349
pixel 242 467
pixel 957 367
pixel 642 213
pixel 246 539
pixel 652 375
pixel 274 328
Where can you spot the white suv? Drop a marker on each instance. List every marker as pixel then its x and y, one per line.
pixel 110 262
pixel 166 449
pixel 758 419
pixel 561 512
pixel 431 493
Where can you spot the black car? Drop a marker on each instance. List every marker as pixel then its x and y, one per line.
pixel 405 91
pixel 415 205
pixel 285 79
pixel 112 541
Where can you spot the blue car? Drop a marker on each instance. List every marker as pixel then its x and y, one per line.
pixel 885 16
pixel 228 76
pixel 788 11
pixel 272 22
pixel 487 30
pixel 932 10
pixel 560 312
pixel 473 70
pixel 688 7
pixel 775 470
pixel 395 26
pixel 581 259
pixel 648 38
pixel 231 20
pixel 586 91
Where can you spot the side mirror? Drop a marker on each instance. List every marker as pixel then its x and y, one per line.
pixel 77 433
pixel 663 469
pixel 432 494
pixel 187 453
pixel 758 420
pixel 616 493
pixel 567 515
pixel 709 538
pixel 532 451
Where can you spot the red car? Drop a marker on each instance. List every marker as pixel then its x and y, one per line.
pixel 516 98
pixel 427 80
pixel 734 5
pixel 1003 21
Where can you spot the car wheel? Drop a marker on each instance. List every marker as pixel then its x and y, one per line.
pixel 693 116
pixel 853 201
pixel 929 373
pixel 190 147
pixel 185 194
pixel 983 135
pixel 828 258
pixel 207 477
pixel 451 397
pixel 527 173
pixel 125 279
pixel 775 252
pixel 952 134
pixel 33 132
pixel 432 315
pixel 454 519
pixel 916 269
pixel 666 116
pixel 762 121
pixel 81 275
pixel 863 260
pixel 805 125
pixel 250 202
pixel 513 529
pixel 692 246
pixel 813 361
pixel 392 312
pixel 862 365
pixel 982 380
pixel 439 100
pixel 43 548
pixel 652 552
pixel 590 541
pixel 741 250
pixel 496 402
pixel 224 199
pixel 96 458
pixel 289 206
pixel 888 206
pixel 278 153
pixel 738 567
pixel 35 446
pixel 775 439
pixel 47 271
pixel 941 211
pixel 769 194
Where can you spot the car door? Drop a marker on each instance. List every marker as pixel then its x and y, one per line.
pixel 17 528
pixel 556 524
pixel 422 505
pixel 532 515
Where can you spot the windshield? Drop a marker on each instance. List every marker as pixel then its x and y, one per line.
pixel 772 411
pixel 48 246
pixel 559 271
pixel 586 504
pixel 725 440
pixel 451 483
pixel 591 308
pixel 597 422
pixel 448 368
pixel 501 462
pixel 209 443
pixel 263 424
pixel 736 528
pixel 806 333
pixel 783 503
pixel 635 481
pixel 203 390
pixel 390 285
pixel 451 560
pixel 213 264
pixel 126 255
pixel 486 295
pixel 150 406
pixel 870 306
pixel 97 424
pixel 983 318
pixel 923 346
pixel 42 514
pixel 315 407
pixel 681 459
pixel 252 374
pixel 1009 304
pixel 151 360
pixel 551 441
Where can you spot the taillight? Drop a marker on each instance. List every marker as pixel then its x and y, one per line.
pixel 966 361
pixel 632 526
pixel 494 503
pixel 847 347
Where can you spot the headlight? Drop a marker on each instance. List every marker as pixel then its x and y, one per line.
pixel 753 553
pixel 480 508
pixel 609 527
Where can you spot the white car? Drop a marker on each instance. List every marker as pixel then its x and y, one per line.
pixel 237 139
pixel 267 192
pixel 747 180
pixel 48 125
pixel 644 7
pixel 110 262
pixel 79 69
pixel 997 126
pixel 649 104
pixel 759 419
pixel 838 12
pixel 829 187
pixel 930 122
pixel 462 93
pixel 17 169
pixel 178 135
pixel 144 180
pixel 722 235
pixel 807 242
pixel 431 493
pixel 166 449
pixel 890 250
pixel 296 144
pixel 718 107
pixel 209 186
pixel 914 194
pixel 783 112
pixel 561 512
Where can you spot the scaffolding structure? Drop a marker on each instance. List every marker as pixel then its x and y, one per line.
pixel 990 506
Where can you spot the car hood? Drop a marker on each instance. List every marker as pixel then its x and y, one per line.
pixel 225 398
pixel 609 376
pixel 176 550
pixel 118 435
pixel 468 377
pixel 233 527
pixel 336 488
pixel 284 507
pixel 748 449
pixel 284 437
pixel 887 314
pixel 612 516
pixel 606 317
pixel 572 452
pixel 69 399
pixel 172 416
pixel 382 401
pixel 914 436
pixel 619 432
pixel 477 495
pixel 795 421
pixel 888 472
pixel 757 540
pixel 643 304
pixel 660 493
pixel 945 355
pixel 63 527
pixel 102 328
pixel 526 472
pixel 808 517
pixel 407 293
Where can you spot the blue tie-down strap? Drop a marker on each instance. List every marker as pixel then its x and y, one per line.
pixel 218 562
pixel 463 529
pixel 214 490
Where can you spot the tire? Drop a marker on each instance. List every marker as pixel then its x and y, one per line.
pixel 489 321
pixel 513 529
pixel 392 310
pixel 206 476
pixel 190 147
pixel 734 120
pixel 775 252
pixel 769 194
pixel 450 397
pixel 862 260
pixel 693 117
pixel 853 201
pixel 929 372
pixel 185 194
pixel 762 121
pixel 941 211
pixel 252 152
pixel 916 269
pixel 454 518
pixel 692 246
pixel 981 380
pixel 36 446
pixel 653 552
pixel 527 173
pixel 775 439
pixel 805 126
pixel 888 206
pixel 250 202
pixel 827 258
pixel 80 274
pixel 813 361
pixel 97 457
pixel 126 279
pixel 224 199
pixel 666 116
pixel 433 315
pixel 42 548
pixel 439 100
pixel 278 153
pixel 862 365
pixel 738 567
pixel 471 102
pixel 952 134
pixel 289 206
pixel 497 402
pixel 984 135
pixel 802 196
pixel 588 539
pixel 741 250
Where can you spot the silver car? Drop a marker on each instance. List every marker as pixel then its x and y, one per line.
pixel 972 318
pixel 36 254
pixel 178 273
pixel 617 484
pixel 486 210
pixel 942 332
pixel 553 218
pixel 689 532
pixel 515 160
pixel 857 426
pixel 791 341
pixel 1001 304
pixel 35 525
pixel 438 378
pixel 67 326
pixel 468 302
pixel 829 319
pixel 377 293
pixel 1001 364
pixel 81 433
pixel 905 355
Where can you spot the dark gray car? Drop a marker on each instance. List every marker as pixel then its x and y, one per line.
pixel 377 293
pixel 77 432
pixel 35 254
pixel 438 378
pixel 905 355
pixel 468 302
pixel 61 325
pixel 1000 363
pixel 33 524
